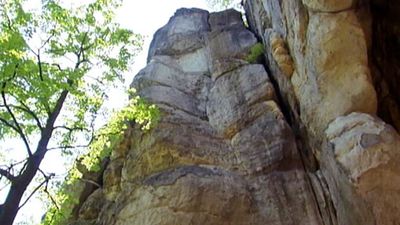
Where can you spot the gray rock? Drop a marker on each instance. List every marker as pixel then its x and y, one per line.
pixel 91 208
pixel 183 33
pixel 233 100
pixel 229 45
pixel 165 71
pixel 224 20
pixel 265 145
pixel 223 152
pixel 363 156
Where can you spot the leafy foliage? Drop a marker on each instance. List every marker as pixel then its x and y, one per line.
pixel 219 5
pixel 106 139
pixel 139 111
pixel 57 63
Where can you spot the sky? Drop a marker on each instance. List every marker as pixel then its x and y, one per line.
pixel 141 16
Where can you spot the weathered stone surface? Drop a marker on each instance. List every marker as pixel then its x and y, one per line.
pixel 321 88
pixel 327 89
pixel 229 41
pixel 328 5
pixel 281 55
pixel 112 178
pixel 266 144
pixel 165 71
pixel 182 33
pixel 169 96
pixel 328 42
pixel 366 152
pixel 244 90
pixel 189 195
pixel 224 153
pixel 83 189
pixel 91 208
pixel 284 197
pixel 179 139
pixel 225 19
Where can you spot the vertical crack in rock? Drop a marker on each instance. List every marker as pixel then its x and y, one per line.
pixel 385 58
pixel 331 86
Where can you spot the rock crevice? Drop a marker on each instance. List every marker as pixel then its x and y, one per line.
pixel 330 89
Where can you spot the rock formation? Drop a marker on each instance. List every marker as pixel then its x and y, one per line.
pixel 293 141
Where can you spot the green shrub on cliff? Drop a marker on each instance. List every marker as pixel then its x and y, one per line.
pixel 256 53
pixel 67 197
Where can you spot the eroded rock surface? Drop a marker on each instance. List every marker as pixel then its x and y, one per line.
pixel 224 153
pixel 350 155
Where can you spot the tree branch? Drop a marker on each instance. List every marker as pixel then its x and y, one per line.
pixel 9 24
pixel 51 197
pixel 58 66
pixel 68 147
pixel 32 51
pixel 7 174
pixel 81 52
pixel 4 186
pixel 71 128
pixel 91 182
pixel 30 112
pixel 13 76
pixel 49 128
pixel 46 180
pixel 32 193
pixel 23 167
pixel 16 163
pixel 57 108
pixel 48 177
pixel 26 109
pixel 48 39
pixel 39 62
pixel 9 124
pixel 19 129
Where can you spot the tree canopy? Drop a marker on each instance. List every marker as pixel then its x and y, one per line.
pixel 56 65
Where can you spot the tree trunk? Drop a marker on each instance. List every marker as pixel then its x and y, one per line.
pixel 11 205
pixel 19 185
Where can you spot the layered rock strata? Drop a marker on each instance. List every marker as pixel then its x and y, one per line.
pixel 299 144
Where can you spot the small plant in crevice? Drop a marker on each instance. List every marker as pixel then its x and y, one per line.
pixel 256 53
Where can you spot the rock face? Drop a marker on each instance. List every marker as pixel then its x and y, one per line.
pixel 351 156
pixel 237 145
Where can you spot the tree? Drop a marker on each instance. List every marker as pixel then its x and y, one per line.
pixel 49 94
pixel 223 4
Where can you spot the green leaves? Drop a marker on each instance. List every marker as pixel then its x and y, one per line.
pixel 138 110
pixel 256 53
pixel 57 63
pixel 219 5
pixel 105 139
pixel 62 47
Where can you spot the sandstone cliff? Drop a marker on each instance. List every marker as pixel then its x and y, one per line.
pixel 294 140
